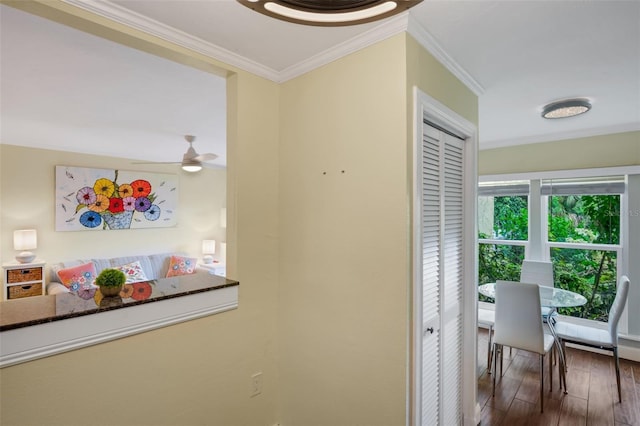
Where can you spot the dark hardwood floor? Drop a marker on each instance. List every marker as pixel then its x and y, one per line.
pixel 592 397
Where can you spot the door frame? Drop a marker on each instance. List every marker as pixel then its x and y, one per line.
pixel 427 107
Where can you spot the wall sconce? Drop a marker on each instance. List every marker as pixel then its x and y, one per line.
pixel 24 240
pixel 208 249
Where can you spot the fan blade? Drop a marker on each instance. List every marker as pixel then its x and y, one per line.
pixel 210 166
pixel 205 157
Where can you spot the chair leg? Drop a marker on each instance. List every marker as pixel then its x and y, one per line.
pixel 561 347
pixel 615 355
pixel 490 350
pixel 496 349
pixel 562 378
pixel 551 360
pixel 541 383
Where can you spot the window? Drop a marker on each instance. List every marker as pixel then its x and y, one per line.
pixel 503 229
pixel 583 238
pixel 574 222
pixel 592 273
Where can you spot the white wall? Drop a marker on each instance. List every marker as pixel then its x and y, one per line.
pixel 634 252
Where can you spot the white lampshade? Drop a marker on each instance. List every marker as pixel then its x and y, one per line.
pixel 25 239
pixel 208 248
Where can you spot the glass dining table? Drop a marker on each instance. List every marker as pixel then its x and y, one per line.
pixel 550 297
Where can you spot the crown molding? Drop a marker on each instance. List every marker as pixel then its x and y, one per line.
pixel 152 27
pixel 429 42
pixel 390 27
pixel 574 134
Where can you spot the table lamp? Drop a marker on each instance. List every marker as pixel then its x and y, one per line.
pixel 24 240
pixel 208 249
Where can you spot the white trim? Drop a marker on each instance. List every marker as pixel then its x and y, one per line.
pixel 560 174
pixel 152 27
pixel 522 243
pixel 414 390
pixel 535 250
pixel 426 106
pixel 623 255
pixel 42 340
pixel 389 27
pixel 426 40
pixel 586 246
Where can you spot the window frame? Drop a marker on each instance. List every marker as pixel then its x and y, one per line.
pixel 539 247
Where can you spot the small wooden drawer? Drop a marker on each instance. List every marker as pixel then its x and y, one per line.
pixel 24 275
pixel 18 291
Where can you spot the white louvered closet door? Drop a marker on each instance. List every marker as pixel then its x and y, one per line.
pixel 442 259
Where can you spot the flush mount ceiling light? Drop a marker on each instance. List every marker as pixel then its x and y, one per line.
pixel 566 108
pixel 329 13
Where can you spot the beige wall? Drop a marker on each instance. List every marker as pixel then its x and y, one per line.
pixel 318 192
pixel 343 252
pixel 27 178
pixel 620 149
pixel 192 373
pixel 344 313
pixel 430 76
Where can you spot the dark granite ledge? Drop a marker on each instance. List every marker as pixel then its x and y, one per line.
pixel 36 310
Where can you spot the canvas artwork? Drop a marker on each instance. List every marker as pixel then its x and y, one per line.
pixel 105 199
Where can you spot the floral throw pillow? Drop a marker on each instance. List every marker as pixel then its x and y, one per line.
pixel 78 277
pixel 180 265
pixel 133 271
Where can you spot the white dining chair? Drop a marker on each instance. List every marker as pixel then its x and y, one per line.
pixel 518 324
pixel 541 273
pixel 606 339
pixel 486 319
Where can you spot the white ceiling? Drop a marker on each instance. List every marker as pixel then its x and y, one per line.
pixel 75 91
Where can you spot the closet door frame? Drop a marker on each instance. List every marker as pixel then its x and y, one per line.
pixel 428 108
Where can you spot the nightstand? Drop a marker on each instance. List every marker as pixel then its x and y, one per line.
pixel 23 280
pixel 216 268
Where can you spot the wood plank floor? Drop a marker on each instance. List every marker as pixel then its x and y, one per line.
pixel 592 397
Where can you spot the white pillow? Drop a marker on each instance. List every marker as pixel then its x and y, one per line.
pixel 133 271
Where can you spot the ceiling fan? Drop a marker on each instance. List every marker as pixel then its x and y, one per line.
pixel 191 160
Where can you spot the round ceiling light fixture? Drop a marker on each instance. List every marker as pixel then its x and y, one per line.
pixel 329 13
pixel 566 108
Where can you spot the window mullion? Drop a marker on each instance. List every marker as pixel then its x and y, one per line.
pixel 536 244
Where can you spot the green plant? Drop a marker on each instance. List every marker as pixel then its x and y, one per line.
pixel 111 278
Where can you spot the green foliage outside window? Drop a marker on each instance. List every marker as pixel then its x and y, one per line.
pixel 591 219
pixel 499 262
pixel 586 219
pixel 591 273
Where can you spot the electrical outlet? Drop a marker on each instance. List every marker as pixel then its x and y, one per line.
pixel 256 384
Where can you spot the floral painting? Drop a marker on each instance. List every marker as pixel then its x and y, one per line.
pixel 106 199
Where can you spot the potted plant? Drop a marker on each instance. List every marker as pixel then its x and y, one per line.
pixel 110 282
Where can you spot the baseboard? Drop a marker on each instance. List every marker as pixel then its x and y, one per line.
pixel 624 352
pixel 630 353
